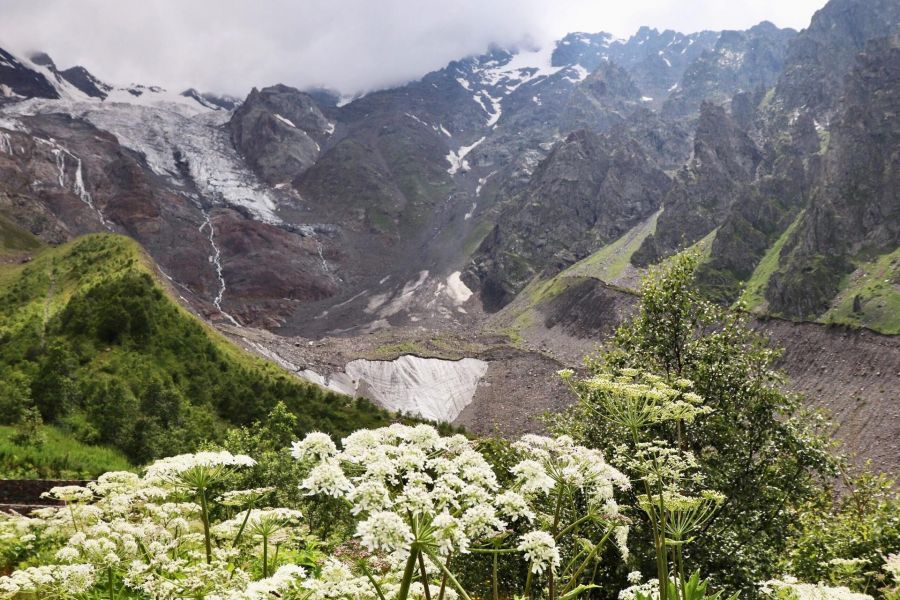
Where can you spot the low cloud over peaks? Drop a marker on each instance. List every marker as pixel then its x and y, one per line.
pixel 229 46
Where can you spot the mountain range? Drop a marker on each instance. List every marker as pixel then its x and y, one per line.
pixel 507 202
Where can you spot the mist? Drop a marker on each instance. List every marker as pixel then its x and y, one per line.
pixel 350 46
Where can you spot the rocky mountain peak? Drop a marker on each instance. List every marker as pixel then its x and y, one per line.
pixel 741 61
pixel 279 130
pixel 820 56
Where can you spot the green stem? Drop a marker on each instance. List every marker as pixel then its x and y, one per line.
pixel 204 517
pixel 575 558
pixel 240 532
pixel 680 559
pixel 528 581
pixel 658 530
pixel 407 575
pixel 452 579
pixel 72 514
pixel 494 578
pixel 109 574
pixel 572 526
pixel 374 583
pixel 424 576
pixel 444 578
pixel 265 561
pixel 664 579
pixel 574 579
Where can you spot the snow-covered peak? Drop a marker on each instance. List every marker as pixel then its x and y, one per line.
pixel 157 97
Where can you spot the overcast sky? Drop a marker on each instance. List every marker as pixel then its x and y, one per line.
pixel 228 46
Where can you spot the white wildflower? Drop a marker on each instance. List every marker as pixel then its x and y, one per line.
pixel 385 530
pixel 327 478
pixel 540 549
pixel 315 446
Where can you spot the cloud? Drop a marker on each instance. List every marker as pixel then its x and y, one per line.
pixel 349 45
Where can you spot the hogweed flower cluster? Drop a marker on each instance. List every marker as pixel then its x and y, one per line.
pixel 788 588
pixel 421 498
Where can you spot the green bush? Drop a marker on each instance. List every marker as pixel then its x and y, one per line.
pixel 94 343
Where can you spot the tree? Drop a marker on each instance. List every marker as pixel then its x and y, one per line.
pixel 29 429
pixel 753 446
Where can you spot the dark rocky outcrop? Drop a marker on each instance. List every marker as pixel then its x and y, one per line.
pixel 279 130
pixel 82 79
pixel 589 191
pixel 741 61
pixel 724 162
pixel 820 57
pixel 855 208
pixel 18 80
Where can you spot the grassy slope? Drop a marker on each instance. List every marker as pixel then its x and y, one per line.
pixel 753 297
pixel 877 283
pixel 15 240
pixel 608 263
pixel 89 336
pixel 58 457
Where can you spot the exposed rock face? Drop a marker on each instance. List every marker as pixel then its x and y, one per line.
pixel 656 60
pixel 279 130
pixel 791 122
pixel 855 208
pixel 82 79
pixel 590 190
pixel 669 145
pixel 19 80
pixel 604 99
pixel 741 61
pixel 724 162
pixel 819 58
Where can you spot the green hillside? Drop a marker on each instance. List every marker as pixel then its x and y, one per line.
pixel 870 296
pixel 90 338
pixel 55 455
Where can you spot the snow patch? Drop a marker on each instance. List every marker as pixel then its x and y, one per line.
pixel 457 159
pixel 428 387
pixel 494 114
pixel 161 133
pixel 523 67
pixel 646 99
pixel 337 382
pixel 286 121
pixel 578 74
pixel 458 291
pixel 416 119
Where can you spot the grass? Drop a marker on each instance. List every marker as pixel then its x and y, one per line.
pixel 520 314
pixel 474 239
pixel 702 247
pixel 877 284
pixel 14 239
pixel 753 296
pixel 58 457
pixel 90 337
pixel 608 263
